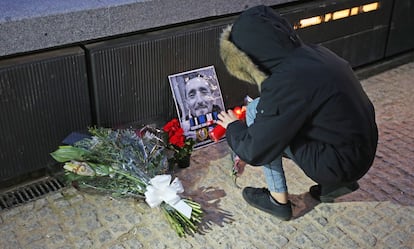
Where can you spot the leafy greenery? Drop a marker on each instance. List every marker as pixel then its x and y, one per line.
pixel 122 162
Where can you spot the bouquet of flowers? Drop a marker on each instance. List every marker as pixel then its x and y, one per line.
pixel 130 163
pixel 182 146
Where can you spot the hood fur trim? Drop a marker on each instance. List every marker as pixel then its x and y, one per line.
pixel 237 62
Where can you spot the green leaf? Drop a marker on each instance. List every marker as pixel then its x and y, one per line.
pixel 67 153
pixel 101 169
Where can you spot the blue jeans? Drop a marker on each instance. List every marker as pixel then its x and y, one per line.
pixel 274 174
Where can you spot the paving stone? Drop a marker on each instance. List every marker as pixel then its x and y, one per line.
pixel 288 229
pixel 68 212
pixel 64 247
pixel 56 238
pixel 61 203
pixel 157 244
pixel 393 241
pixel 110 217
pixel 349 243
pixel 335 232
pixel 133 244
pixel 367 239
pixel 83 242
pixel 342 221
pixel 27 239
pixel 104 236
pixel 369 218
pixel 144 232
pixel 7 214
pixel 7 236
pixel 46 213
pixel 280 240
pixel 379 230
pixel 319 239
pixel 118 229
pixel 92 223
pixel 117 247
pixel 310 228
pixel 302 239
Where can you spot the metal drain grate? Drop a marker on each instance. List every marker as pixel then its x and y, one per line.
pixel 29 192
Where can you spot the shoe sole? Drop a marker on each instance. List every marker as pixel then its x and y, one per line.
pixel 329 198
pixel 284 218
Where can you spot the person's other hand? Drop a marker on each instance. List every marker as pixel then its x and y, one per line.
pixel 225 118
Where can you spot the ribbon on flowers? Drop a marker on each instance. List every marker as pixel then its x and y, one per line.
pixel 161 190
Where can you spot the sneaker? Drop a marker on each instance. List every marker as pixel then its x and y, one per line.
pixel 329 193
pixel 260 198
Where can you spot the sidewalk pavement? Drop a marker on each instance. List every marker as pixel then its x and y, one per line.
pixel 378 215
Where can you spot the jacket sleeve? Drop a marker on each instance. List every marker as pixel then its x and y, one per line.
pixel 280 116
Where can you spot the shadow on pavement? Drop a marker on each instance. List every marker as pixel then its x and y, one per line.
pixel 209 198
pixel 302 204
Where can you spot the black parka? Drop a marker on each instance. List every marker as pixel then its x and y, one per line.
pixel 310 100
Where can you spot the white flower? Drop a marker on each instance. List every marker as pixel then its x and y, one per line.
pixel 79 168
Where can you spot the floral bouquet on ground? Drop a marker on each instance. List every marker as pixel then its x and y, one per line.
pixel 130 163
pixel 177 142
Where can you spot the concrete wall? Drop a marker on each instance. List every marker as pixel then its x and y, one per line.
pixel 27 25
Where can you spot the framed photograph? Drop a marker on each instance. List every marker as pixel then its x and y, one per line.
pixel 198 100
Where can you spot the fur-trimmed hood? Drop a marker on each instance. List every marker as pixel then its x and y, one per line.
pixel 256 43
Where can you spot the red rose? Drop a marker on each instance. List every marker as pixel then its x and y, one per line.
pixel 175 133
pixel 173 125
pixel 177 139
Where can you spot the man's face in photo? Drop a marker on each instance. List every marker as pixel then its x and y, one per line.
pixel 198 96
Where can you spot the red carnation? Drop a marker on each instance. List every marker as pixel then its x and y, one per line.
pixel 175 133
pixel 171 126
pixel 177 139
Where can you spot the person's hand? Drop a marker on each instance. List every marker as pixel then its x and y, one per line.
pixel 225 118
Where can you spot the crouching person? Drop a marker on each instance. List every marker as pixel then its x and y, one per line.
pixel 311 108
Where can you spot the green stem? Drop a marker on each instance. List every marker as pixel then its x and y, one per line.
pixel 138 181
pixel 185 220
pixel 174 223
